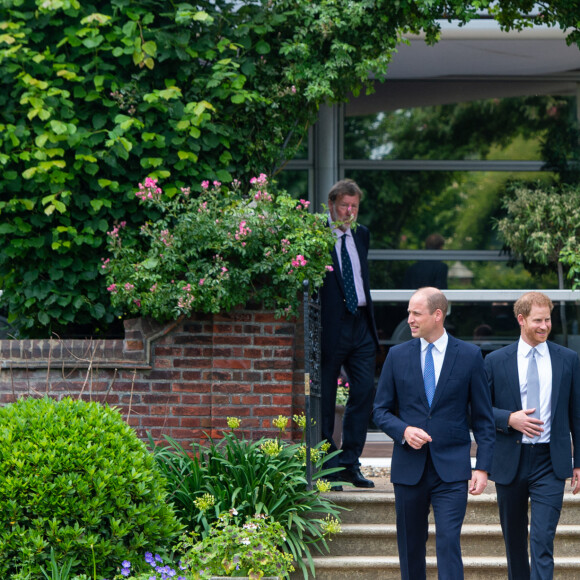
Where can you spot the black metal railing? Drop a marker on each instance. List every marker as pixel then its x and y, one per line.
pixel 312 374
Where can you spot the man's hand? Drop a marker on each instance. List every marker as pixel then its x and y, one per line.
pixel 575 480
pixel 529 426
pixel 478 482
pixel 416 437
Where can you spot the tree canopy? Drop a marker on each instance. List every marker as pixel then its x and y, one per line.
pixel 94 97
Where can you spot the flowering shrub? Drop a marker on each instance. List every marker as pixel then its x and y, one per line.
pixel 217 250
pixel 266 476
pixel 250 549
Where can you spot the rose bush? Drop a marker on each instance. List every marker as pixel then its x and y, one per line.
pixel 214 251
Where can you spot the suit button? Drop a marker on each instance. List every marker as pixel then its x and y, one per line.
pixel 518 441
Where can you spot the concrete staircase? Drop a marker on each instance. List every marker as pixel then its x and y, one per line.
pixel 367 547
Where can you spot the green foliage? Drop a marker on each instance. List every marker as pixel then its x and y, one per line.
pixel 95 94
pixel 76 480
pixel 264 477
pixel 541 221
pixel 231 548
pixel 57 572
pixel 219 250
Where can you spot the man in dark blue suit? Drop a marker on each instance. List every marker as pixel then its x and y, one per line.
pixel 533 452
pixel 429 389
pixel 349 338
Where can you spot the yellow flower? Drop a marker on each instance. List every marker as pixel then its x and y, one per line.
pixel 300 420
pixel 233 422
pixel 331 525
pixel 271 447
pixel 204 502
pixel 281 423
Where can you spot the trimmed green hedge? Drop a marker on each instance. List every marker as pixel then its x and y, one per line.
pixel 75 477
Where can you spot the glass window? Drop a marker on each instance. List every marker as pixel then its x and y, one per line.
pixel 294 181
pixel 490 325
pixel 469 130
pixel 402 208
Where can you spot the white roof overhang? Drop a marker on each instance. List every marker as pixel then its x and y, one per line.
pixel 472 62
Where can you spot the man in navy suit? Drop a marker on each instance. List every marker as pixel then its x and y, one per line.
pixel 428 390
pixel 349 338
pixel 533 452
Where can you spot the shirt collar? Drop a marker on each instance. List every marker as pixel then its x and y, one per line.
pixel 440 344
pixel 524 348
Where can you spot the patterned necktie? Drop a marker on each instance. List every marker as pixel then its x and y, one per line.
pixel 533 381
pixel 429 374
pixel 348 278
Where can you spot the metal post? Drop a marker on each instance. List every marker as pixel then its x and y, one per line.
pixel 308 412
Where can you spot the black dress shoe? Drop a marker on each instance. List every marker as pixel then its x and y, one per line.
pixel 355 477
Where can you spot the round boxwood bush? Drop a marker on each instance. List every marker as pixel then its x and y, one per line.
pixel 74 477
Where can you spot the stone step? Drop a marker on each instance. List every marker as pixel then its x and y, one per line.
pixel 372 507
pixel 387 568
pixel 476 540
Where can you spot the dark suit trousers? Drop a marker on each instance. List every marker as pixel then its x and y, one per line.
pixel 356 351
pixel 412 502
pixel 535 480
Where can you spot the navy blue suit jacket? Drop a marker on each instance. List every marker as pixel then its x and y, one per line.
pixel 332 297
pixel 502 375
pixel 461 393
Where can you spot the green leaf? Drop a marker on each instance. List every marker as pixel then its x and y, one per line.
pixel 147 162
pixel 43 318
pixel 262 47
pixel 150 263
pixel 29 173
pixel 96 204
pixel 150 48
pixel 59 127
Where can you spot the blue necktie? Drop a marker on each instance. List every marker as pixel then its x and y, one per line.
pixel 348 278
pixel 429 374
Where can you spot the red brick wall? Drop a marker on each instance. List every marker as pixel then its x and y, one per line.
pixel 181 379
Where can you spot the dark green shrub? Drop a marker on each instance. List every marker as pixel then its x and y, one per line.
pixel 265 476
pixel 74 477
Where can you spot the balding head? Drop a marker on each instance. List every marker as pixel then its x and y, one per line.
pixel 435 299
pixel 427 310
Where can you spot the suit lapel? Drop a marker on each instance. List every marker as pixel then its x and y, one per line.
pixel 416 369
pixel 448 362
pixel 557 367
pixel 336 269
pixel 510 366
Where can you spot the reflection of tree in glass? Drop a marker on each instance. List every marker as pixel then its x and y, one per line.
pixel 407 205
